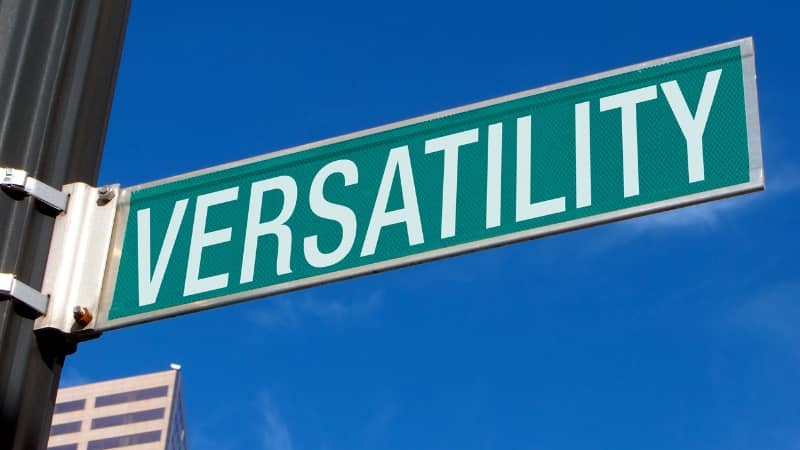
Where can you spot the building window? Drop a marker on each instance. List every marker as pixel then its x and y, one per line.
pixel 123 419
pixel 64 428
pixel 64 447
pixel 74 405
pixel 122 441
pixel 131 396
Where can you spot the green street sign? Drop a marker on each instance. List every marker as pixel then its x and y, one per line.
pixel 646 138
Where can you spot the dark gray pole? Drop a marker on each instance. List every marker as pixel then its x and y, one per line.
pixel 58 65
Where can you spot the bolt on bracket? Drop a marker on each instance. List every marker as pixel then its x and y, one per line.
pixel 11 287
pixel 18 180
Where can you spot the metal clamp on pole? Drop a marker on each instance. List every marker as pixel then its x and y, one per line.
pixel 11 287
pixel 18 180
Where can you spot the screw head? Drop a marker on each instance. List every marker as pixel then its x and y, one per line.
pixel 82 315
pixel 104 195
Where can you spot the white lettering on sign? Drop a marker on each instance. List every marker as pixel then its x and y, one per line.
pixel 494 168
pixel 202 239
pixel 399 169
pixel 277 226
pixel 149 285
pixel 525 209
pixel 399 162
pixel 450 145
pixel 583 159
pixel 325 209
pixel 626 102
pixel 693 127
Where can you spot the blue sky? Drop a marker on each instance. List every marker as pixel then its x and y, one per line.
pixel 674 331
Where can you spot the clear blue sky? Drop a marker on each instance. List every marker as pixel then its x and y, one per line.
pixel 678 331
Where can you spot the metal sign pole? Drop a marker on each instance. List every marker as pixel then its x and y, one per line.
pixel 58 66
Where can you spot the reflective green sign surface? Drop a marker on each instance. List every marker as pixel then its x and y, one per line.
pixel 646 138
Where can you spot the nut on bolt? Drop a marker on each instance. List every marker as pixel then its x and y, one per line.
pixel 82 315
pixel 104 195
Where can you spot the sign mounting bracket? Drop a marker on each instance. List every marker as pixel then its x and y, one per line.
pixel 11 287
pixel 18 180
pixel 76 264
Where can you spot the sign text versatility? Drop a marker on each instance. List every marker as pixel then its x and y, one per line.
pixel 642 139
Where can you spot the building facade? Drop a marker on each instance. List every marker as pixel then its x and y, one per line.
pixel 136 413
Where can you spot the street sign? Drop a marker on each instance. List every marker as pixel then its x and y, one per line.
pixel 645 138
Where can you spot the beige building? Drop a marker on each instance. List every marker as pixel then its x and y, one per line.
pixel 136 413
